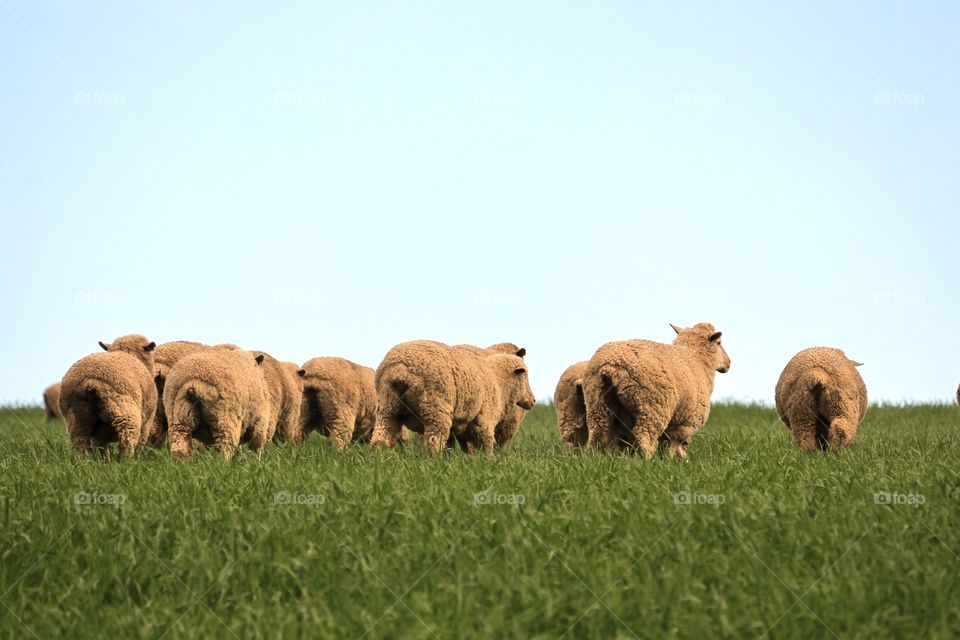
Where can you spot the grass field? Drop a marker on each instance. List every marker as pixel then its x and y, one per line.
pixel 749 538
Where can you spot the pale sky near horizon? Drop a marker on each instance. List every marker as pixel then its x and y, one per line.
pixel 331 179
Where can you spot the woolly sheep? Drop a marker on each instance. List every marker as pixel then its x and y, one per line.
pixel 339 401
pixel 640 393
pixel 436 390
pixel 218 397
pixel 570 407
pixel 283 391
pixel 51 402
pixel 165 356
pixel 509 423
pixel 821 398
pixel 111 397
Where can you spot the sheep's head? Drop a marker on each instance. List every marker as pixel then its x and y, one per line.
pixel 508 347
pixel 518 383
pixel 705 338
pixel 136 345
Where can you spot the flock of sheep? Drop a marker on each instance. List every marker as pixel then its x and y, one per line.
pixel 634 395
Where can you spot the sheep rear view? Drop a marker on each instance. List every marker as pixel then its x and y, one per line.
pixel 218 397
pixel 571 408
pixel 165 356
pixel 284 394
pixel 640 393
pixel 437 390
pixel 821 398
pixel 339 401
pixel 51 403
pixel 111 397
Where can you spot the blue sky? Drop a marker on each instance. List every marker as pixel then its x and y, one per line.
pixel 331 179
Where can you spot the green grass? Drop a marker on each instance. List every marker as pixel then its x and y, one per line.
pixel 397 547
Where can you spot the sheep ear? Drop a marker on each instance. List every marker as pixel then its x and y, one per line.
pixel 675 328
pixel 150 347
pixel 302 373
pixel 856 364
pixel 715 336
pixel 522 352
pixel 106 347
pixel 259 359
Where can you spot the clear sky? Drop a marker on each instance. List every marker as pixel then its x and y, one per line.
pixel 334 178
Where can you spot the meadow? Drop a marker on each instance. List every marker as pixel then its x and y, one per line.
pixel 747 538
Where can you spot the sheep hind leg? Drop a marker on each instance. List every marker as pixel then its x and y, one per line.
pixel 600 428
pixel 387 430
pixel 436 430
pixel 804 429
pixel 840 434
pixel 128 430
pixel 342 426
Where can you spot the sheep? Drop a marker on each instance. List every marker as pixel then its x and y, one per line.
pixel 509 423
pixel 165 356
pixel 339 401
pixel 218 397
pixel 436 390
pixel 51 403
pixel 284 389
pixel 641 394
pixel 570 407
pixel 821 398
pixel 111 397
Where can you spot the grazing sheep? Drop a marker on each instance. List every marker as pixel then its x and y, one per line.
pixel 284 390
pixel 218 397
pixel 339 401
pixel 571 409
pixel 111 397
pixel 821 398
pixel 640 393
pixel 509 423
pixel 436 390
pixel 51 402
pixel 165 356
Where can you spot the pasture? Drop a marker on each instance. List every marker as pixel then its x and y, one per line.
pixel 748 538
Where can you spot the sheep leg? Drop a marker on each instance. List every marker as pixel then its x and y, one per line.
pixel 678 437
pixel 840 434
pixel 599 428
pixel 804 428
pixel 128 430
pixel 258 439
pixel 181 444
pixel 387 430
pixel 342 426
pixel 437 425
pixel 487 433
